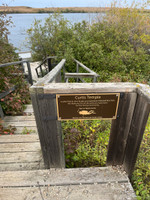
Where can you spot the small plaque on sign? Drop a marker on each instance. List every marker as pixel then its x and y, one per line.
pixel 87 106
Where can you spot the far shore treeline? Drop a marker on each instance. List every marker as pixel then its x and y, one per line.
pixel 25 9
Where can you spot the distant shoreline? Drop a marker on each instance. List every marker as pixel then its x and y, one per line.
pixel 24 9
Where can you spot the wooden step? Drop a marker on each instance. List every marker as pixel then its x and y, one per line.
pixel 20 152
pixel 72 184
pixel 19 118
pixel 19 138
pixel 23 124
pixel 20 124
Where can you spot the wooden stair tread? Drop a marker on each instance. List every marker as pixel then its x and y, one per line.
pixel 19 118
pixel 79 183
pixel 20 152
pixel 19 138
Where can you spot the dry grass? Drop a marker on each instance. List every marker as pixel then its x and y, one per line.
pixel 23 9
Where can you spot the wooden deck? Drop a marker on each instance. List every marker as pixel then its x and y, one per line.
pixel 23 177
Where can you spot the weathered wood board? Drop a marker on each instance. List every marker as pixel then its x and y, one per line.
pixel 19 138
pixel 111 191
pixel 20 152
pixel 71 184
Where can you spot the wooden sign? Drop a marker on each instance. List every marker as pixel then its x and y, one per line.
pixel 87 106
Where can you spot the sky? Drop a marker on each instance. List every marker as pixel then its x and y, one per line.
pixel 59 3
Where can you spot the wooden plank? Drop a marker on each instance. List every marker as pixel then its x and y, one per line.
pixel 71 192
pixel 20 157
pixel 20 124
pixel 24 130
pixel 3 94
pixel 49 131
pixel 120 129
pixel 138 124
pixel 22 166
pixel 89 87
pixel 13 63
pixel 58 177
pixel 19 147
pixel 144 90
pixel 82 75
pixel 18 118
pixel 19 138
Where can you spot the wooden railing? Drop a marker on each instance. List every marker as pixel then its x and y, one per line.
pixel 21 63
pixel 2 95
pixel 78 75
pixel 45 66
pixel 126 130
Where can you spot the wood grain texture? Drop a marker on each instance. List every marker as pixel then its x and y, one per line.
pixel 144 90
pixel 22 166
pixel 19 118
pixel 49 131
pixel 19 138
pixel 82 75
pixel 88 87
pixel 76 176
pixel 20 157
pixel 20 124
pixel 120 129
pixel 136 132
pixel 109 191
pixel 19 147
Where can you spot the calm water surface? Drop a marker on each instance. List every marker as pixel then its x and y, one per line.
pixel 22 22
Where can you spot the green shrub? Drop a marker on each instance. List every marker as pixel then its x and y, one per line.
pixel 118 45
pixel 13 103
pixel 85 142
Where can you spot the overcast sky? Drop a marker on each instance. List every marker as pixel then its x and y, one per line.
pixel 60 3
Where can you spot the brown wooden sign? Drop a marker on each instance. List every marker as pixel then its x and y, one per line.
pixel 87 106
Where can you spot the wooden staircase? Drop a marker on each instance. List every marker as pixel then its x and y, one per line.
pixel 23 177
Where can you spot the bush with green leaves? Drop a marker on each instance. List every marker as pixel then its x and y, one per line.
pixel 11 76
pixel 116 47
pixel 85 142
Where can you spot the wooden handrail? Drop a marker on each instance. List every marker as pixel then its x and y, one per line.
pixel 86 68
pixel 51 75
pixel 48 59
pixel 13 63
pixel 20 62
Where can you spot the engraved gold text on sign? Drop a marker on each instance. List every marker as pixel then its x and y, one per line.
pixel 87 106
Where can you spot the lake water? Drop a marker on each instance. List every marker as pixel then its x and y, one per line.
pixel 22 22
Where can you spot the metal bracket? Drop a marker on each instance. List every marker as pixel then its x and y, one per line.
pixel 46 96
pixel 49 118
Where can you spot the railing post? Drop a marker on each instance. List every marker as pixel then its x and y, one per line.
pixel 30 74
pixel 41 70
pixel 49 64
pixel 49 128
pixel 1 112
pixel 136 132
pixel 94 79
pixel 77 71
pixel 120 129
